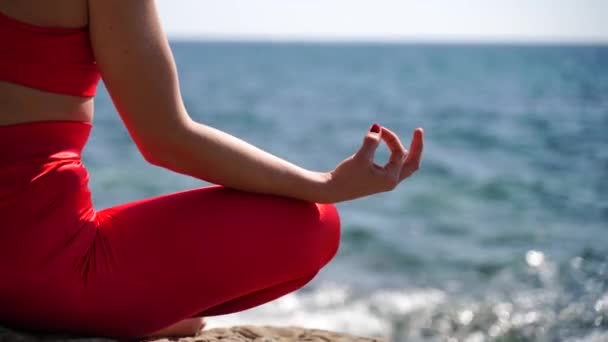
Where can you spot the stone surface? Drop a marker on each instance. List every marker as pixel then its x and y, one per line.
pixel 236 334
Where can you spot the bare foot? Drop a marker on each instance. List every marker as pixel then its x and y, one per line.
pixel 186 327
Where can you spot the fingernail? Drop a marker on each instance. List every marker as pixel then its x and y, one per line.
pixel 375 128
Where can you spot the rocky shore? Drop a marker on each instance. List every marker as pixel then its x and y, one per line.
pixel 234 334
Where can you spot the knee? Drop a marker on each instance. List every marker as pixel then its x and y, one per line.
pixel 329 233
pixel 308 236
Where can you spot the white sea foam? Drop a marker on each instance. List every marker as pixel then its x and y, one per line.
pixel 333 307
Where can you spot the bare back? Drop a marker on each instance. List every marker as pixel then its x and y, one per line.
pixel 20 104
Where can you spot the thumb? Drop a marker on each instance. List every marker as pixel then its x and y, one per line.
pixel 370 143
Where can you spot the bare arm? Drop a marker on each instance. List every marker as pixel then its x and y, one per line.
pixel 139 71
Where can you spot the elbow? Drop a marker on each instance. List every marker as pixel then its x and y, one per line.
pixel 162 150
pixel 151 157
pixel 151 152
pixel 162 153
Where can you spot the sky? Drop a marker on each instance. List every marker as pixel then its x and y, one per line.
pixel 417 20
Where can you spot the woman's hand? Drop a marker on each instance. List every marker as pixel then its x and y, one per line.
pixel 359 176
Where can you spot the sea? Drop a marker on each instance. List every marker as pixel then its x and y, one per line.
pixel 502 235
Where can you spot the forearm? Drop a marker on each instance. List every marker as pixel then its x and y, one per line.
pixel 217 157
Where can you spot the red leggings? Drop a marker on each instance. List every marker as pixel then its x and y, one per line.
pixel 133 269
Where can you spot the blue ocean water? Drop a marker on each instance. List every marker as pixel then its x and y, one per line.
pixel 501 235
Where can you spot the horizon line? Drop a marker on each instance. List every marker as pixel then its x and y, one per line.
pixel 567 41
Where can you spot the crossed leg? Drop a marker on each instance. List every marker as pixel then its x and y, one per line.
pixel 202 252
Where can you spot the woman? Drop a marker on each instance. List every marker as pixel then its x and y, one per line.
pixel 157 266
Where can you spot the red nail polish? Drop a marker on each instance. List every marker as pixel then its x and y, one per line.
pixel 375 128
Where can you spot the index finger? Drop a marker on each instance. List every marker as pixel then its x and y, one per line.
pixel 398 152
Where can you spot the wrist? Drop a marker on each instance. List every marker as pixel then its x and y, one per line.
pixel 318 189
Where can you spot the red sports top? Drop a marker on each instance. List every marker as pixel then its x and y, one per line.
pixel 57 60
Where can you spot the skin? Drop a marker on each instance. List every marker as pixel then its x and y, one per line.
pixel 129 45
